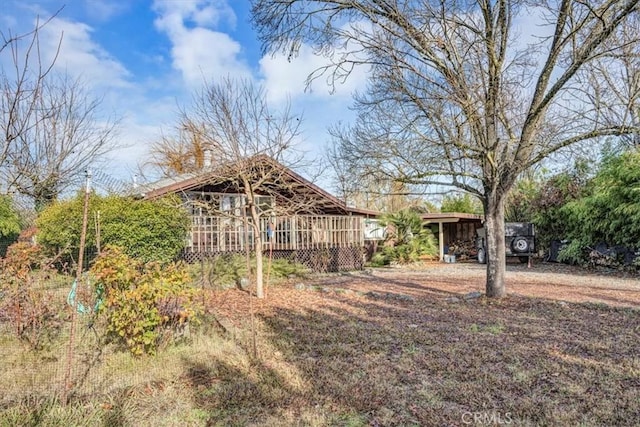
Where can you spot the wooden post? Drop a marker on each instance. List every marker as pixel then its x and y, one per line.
pixel 97 224
pixel 74 313
pixel 441 240
pixel 294 233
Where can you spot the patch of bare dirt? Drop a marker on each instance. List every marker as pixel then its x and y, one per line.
pixel 545 280
pixel 406 346
pixel 441 281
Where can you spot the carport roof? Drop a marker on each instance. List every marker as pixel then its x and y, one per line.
pixel 452 217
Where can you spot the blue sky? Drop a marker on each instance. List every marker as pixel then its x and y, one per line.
pixel 145 58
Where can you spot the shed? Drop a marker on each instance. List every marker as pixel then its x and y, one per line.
pixel 453 227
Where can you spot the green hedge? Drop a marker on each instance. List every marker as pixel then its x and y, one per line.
pixel 609 211
pixel 146 230
pixel 10 224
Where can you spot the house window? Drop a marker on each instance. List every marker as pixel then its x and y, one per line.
pixel 228 205
pixel 373 230
pixel 232 204
pixel 265 205
pixel 201 203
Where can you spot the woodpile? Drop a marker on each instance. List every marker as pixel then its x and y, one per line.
pixel 463 249
pixel 613 257
pixel 600 259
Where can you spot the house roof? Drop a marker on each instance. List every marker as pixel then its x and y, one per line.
pixel 193 180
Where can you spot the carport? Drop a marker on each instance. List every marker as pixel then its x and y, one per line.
pixel 453 226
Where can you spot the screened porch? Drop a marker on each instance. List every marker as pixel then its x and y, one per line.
pixel 216 234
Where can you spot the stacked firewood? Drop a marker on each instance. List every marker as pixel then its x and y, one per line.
pixel 601 259
pixel 463 249
pixel 614 256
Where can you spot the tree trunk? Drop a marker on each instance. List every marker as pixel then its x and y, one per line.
pixel 255 219
pixel 495 244
pixel 259 278
pixel 44 197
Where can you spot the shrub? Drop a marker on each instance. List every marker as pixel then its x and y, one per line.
pixel 144 229
pixel 574 253
pixel 379 259
pixel 549 215
pixel 33 317
pixel 223 271
pixel 144 305
pixel 226 271
pixel 10 223
pixel 59 226
pixel 149 230
pixel 23 257
pixel 609 209
pixel 461 202
pixel 60 222
pixel 283 268
pixel 520 198
pixel 539 198
pixel 408 237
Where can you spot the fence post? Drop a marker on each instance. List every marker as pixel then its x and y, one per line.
pixel 74 313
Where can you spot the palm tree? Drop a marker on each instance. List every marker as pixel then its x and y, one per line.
pixel 409 236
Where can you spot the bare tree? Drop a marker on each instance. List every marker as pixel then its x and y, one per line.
pixel 613 80
pixel 179 152
pixel 368 171
pixel 356 189
pixel 64 136
pixel 50 125
pixel 455 98
pixel 21 82
pixel 247 143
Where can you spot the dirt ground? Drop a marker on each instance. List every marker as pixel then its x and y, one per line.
pixel 544 280
pixel 380 347
pixel 407 346
pixel 445 282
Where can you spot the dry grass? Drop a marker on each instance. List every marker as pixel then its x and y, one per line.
pixel 111 388
pixel 352 351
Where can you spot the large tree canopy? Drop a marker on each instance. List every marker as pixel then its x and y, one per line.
pixel 456 98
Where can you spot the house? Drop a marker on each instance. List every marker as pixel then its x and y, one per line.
pixel 297 219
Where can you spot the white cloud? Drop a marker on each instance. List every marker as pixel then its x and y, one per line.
pixel 285 78
pixel 203 54
pixel 80 56
pixel 321 103
pixel 104 10
pixel 135 140
pixel 204 13
pixel 198 51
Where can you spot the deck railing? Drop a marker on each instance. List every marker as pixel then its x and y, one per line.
pixel 230 234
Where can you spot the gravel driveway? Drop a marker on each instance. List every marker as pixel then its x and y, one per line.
pixel 543 280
